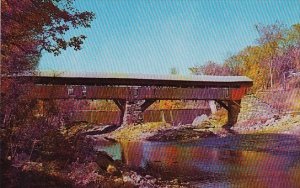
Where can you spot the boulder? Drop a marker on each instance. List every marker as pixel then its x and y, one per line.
pixel 200 119
pixel 100 130
pixel 119 182
pixel 213 106
pixel 111 169
pixel 104 160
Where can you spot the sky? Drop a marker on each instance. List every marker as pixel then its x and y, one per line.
pixel 151 37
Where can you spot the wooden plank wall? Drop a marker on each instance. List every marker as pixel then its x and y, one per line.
pixel 175 116
pixel 131 93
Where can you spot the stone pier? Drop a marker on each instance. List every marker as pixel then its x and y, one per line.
pixel 133 112
pixel 233 109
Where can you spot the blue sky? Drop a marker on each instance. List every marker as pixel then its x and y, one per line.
pixel 151 37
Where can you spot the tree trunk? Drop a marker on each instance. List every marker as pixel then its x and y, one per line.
pixel 271 74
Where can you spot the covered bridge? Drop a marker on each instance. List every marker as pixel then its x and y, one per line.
pixel 134 93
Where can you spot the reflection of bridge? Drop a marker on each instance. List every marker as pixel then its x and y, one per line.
pixel 133 94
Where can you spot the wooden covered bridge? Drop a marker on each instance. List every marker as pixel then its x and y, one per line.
pixel 133 94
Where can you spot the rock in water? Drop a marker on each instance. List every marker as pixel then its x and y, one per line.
pixel 104 160
pixel 212 106
pixel 101 130
pixel 200 119
pixel 111 169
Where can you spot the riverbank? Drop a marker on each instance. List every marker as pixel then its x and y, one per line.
pixel 89 174
pixel 256 119
pixel 161 131
pixel 71 161
pixel 95 169
pixel 287 124
pixel 232 160
pixel 256 116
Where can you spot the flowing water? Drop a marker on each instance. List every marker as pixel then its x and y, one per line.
pixel 265 160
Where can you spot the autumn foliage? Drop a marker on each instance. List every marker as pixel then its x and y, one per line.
pixel 274 58
pixel 28 28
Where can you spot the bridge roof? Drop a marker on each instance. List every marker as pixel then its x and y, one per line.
pixel 138 79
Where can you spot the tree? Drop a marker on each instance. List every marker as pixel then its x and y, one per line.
pixel 270 33
pixel 233 65
pixel 30 26
pixel 269 62
pixel 251 59
pixel 174 71
pixel 210 68
pixel 270 38
pixel 292 44
pixel 27 28
pixel 292 38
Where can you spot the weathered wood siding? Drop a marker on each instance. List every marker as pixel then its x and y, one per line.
pixel 183 116
pixel 132 93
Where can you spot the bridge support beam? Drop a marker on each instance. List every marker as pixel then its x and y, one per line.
pixel 121 105
pixel 147 103
pixel 233 109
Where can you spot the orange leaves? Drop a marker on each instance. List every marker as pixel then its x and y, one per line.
pixel 29 26
pixel 277 53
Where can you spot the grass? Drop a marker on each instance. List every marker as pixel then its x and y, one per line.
pixel 139 131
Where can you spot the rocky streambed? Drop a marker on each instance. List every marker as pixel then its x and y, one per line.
pixel 203 150
pixel 184 134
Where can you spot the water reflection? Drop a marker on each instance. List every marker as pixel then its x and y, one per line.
pixel 242 160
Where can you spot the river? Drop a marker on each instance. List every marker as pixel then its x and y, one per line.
pixel 262 160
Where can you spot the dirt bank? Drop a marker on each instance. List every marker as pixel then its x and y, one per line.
pixel 287 124
pixel 184 134
pixel 257 116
